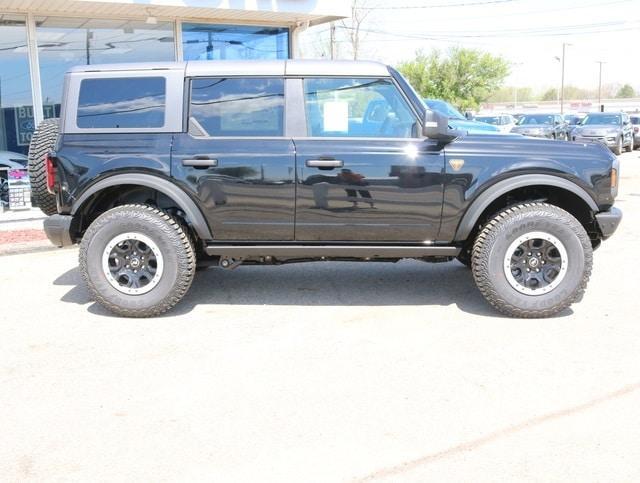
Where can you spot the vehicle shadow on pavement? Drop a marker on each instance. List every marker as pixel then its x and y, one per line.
pixel 321 284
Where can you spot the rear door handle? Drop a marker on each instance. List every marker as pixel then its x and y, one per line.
pixel 200 162
pixel 324 163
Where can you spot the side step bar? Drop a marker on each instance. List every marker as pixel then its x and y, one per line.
pixel 330 251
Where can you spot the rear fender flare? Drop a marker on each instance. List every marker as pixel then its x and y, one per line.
pixel 182 199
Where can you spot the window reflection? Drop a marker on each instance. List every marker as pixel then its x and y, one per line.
pixel 16 105
pixel 65 42
pixel 238 107
pixel 220 42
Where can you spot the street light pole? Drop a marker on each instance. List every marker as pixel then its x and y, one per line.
pixel 600 85
pixel 564 49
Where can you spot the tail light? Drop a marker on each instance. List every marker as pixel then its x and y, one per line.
pixel 614 178
pixel 51 174
pixel 636 129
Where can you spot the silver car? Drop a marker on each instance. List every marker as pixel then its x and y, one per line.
pixel 635 124
pixel 611 128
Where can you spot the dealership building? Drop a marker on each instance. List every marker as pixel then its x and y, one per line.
pixel 41 39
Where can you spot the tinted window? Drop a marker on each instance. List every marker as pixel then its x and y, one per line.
pixel 612 119
pixel 635 120
pixel 356 107
pixel 536 119
pixel 238 107
pixel 217 42
pixel 131 102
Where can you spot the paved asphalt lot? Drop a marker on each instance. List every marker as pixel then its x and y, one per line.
pixel 323 372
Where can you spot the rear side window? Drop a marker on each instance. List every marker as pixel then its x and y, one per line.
pixel 122 103
pixel 238 107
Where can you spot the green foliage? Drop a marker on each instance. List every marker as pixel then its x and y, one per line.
pixel 507 94
pixel 625 92
pixel 550 95
pixel 463 77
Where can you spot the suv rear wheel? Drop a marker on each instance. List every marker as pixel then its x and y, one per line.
pixel 137 261
pixel 532 260
pixel 617 150
pixel 42 142
pixel 630 146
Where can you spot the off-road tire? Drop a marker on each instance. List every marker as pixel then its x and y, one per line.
pixel 493 241
pixel 617 150
pixel 42 142
pixel 173 242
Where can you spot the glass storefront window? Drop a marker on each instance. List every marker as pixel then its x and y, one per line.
pixel 220 42
pixel 65 42
pixel 16 105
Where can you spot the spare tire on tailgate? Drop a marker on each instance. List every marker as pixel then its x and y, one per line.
pixel 42 142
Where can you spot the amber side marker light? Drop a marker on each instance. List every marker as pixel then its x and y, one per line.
pixel 614 178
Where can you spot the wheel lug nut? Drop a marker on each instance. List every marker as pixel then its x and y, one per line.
pixel 528 269
pixel 529 254
pixel 126 266
pixel 135 271
pixel 537 269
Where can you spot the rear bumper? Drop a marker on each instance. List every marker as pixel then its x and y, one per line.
pixel 608 221
pixel 58 229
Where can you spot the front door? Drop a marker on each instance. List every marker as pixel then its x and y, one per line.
pixel 235 159
pixel 364 174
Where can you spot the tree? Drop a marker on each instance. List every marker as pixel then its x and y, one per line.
pixel 463 77
pixel 625 92
pixel 550 95
pixel 353 26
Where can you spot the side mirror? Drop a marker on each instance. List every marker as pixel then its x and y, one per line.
pixel 436 126
pixel 469 115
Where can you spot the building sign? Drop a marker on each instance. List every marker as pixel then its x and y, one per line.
pixel 26 124
pixel 19 189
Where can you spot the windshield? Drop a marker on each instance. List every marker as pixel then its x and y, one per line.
pixel 444 108
pixel 536 119
pixel 488 119
pixel 612 119
pixel 635 120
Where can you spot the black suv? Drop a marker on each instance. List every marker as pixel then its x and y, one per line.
pixel 157 169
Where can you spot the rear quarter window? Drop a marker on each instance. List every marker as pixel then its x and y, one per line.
pixel 122 103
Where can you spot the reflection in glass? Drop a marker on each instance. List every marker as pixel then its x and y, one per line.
pixel 238 107
pixel 65 42
pixel 128 102
pixel 16 105
pixel 356 108
pixel 220 42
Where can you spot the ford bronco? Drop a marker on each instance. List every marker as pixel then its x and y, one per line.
pixel 157 169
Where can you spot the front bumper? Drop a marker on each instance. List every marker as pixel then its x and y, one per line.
pixel 608 221
pixel 607 140
pixel 58 230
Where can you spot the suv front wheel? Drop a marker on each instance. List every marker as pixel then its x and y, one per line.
pixel 137 261
pixel 532 260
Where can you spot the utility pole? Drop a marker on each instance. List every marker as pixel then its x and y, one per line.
pixel 600 85
pixel 564 48
pixel 332 39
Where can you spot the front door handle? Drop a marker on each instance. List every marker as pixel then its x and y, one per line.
pixel 200 162
pixel 324 163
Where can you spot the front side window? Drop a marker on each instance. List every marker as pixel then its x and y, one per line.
pixel 338 107
pixel 122 103
pixel 238 106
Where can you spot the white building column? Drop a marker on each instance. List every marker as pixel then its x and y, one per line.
pixel 34 69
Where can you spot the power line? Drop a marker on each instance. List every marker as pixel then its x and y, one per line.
pixel 443 5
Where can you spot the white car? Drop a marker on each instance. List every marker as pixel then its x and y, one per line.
pixel 9 160
pixel 504 122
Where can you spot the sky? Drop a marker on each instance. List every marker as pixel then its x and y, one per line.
pixel 528 33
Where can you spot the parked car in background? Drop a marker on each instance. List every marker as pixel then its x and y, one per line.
pixel 572 120
pixel 504 122
pixel 9 160
pixel 457 120
pixel 635 124
pixel 611 128
pixel 550 126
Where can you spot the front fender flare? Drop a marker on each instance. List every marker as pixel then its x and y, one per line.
pixel 484 199
pixel 185 203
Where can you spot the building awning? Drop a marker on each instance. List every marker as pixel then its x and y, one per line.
pixel 278 13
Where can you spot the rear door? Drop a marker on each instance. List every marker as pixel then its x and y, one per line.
pixel 364 172
pixel 235 159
